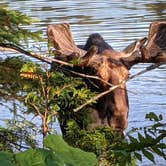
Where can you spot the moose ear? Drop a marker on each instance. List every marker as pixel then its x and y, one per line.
pixel 92 51
pixel 135 46
pixel 141 42
pixel 133 53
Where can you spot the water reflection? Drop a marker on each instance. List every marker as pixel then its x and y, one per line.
pixel 159 8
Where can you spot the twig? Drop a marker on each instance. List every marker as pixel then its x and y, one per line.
pixel 36 109
pixel 98 96
pixel 13 48
pixel 88 76
pixel 92 77
pixel 151 67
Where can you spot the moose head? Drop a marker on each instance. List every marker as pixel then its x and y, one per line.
pixel 112 67
pixel 100 59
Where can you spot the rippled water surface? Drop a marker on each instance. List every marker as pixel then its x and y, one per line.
pixel 120 22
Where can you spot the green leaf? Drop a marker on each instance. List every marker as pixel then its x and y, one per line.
pixel 31 68
pixel 158 151
pixel 141 138
pixel 138 156
pixel 161 145
pixel 158 125
pixel 152 116
pixel 33 157
pixel 132 139
pixel 160 117
pixel 11 29
pixel 149 138
pixel 67 154
pixel 55 108
pixel 148 155
pixel 6 159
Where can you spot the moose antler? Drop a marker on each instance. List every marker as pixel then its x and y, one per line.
pixel 155 49
pixel 147 50
pixel 62 39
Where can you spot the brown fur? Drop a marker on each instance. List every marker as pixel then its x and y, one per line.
pixel 113 108
pixel 111 66
pixel 99 58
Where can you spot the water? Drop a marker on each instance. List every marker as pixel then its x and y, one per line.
pixel 120 22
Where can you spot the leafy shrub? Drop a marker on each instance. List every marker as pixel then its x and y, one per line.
pixel 113 149
pixel 56 152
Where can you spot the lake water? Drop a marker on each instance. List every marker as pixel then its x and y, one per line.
pixel 120 22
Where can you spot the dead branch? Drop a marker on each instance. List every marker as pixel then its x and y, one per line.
pixel 97 97
pixel 43 58
pixel 151 67
pixel 93 77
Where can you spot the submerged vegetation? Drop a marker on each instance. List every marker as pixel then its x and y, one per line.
pixel 34 89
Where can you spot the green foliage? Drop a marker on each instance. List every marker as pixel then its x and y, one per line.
pixel 54 93
pixel 31 68
pixel 12 29
pixel 44 93
pixel 113 149
pixel 147 143
pixel 48 94
pixel 57 153
pixel 7 139
pixel 17 136
pixel 6 159
pixel 10 82
pixel 94 140
pixel 71 98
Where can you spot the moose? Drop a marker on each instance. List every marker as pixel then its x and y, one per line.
pixel 100 59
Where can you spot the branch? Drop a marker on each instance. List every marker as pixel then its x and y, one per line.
pixel 16 49
pixel 13 48
pixel 98 96
pixel 36 109
pixel 88 76
pixel 151 67
pixel 14 143
pixel 92 77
